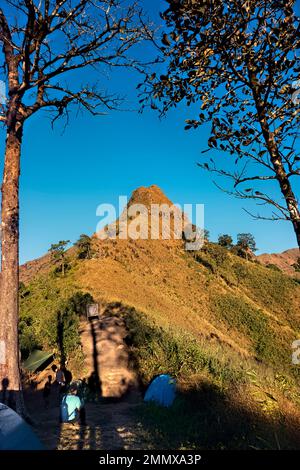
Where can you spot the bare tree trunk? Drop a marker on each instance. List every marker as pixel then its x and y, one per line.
pixel 285 184
pixel 9 295
pixel 276 159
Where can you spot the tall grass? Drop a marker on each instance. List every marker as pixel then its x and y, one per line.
pixel 156 351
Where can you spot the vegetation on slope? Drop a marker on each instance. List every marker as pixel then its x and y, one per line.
pixel 223 402
pixel 222 325
pixel 51 307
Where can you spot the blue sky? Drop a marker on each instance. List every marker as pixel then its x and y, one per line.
pixel 65 176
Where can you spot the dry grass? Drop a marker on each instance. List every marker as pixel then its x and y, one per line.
pixel 234 318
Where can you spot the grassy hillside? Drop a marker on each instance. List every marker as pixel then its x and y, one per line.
pixel 221 324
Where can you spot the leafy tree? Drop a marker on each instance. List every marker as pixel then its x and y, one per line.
pixel 58 255
pixel 239 61
pixel 84 247
pixel 225 240
pixel 27 336
pixel 239 251
pixel 67 336
pixel 67 323
pixel 45 46
pixel 23 290
pixel 246 241
pixel 206 235
pixel 78 303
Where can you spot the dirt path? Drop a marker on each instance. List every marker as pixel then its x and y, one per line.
pixel 107 355
pixel 112 423
pixel 110 426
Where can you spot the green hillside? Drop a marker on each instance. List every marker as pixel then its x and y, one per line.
pixel 221 324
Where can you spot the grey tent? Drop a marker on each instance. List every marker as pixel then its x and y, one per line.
pixel 15 434
pixel 38 360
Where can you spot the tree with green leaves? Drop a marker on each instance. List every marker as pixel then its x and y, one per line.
pixel 84 247
pixel 237 63
pixel 58 255
pixel 245 246
pixel 225 240
pixel 246 242
pixel 206 235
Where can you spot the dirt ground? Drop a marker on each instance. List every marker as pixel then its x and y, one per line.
pixel 112 420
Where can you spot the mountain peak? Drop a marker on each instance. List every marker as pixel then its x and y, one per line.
pixel 164 222
pixel 149 195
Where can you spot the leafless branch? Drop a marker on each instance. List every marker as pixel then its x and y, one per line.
pixel 92 33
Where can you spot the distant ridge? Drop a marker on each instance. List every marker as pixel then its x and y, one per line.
pixel 284 260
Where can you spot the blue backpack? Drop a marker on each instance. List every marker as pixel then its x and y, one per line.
pixel 64 413
pixel 68 412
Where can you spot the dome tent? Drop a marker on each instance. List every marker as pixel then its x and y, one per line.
pixel 15 433
pixel 162 390
pixel 38 360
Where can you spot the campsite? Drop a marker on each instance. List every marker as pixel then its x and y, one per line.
pixel 227 385
pixel 116 392
pixel 150 231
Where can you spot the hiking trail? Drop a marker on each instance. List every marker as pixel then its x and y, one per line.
pixel 112 422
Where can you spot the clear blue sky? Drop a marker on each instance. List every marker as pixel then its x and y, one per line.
pixel 65 176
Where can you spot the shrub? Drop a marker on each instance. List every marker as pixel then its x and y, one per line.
pixel 28 340
pixel 50 313
pixel 217 259
pixel 61 331
pixel 238 251
pixel 212 256
pixel 296 265
pixel 273 266
pixel 23 291
pixel 217 253
pixel 78 303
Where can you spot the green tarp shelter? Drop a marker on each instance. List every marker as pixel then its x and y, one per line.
pixel 37 360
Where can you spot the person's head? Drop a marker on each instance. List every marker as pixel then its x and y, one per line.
pixel 50 378
pixel 54 367
pixel 73 389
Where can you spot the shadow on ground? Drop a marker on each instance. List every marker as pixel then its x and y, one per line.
pixel 202 417
pixel 209 419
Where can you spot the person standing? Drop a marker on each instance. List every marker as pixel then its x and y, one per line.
pixel 72 409
pixel 60 378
